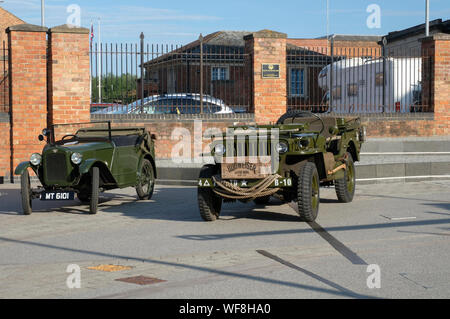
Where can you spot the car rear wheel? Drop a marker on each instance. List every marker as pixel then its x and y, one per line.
pixel 209 203
pixel 308 192
pixel 345 188
pixel 95 190
pixel 146 181
pixel 25 190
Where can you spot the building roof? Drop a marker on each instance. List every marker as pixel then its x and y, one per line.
pixel 353 38
pixel 435 26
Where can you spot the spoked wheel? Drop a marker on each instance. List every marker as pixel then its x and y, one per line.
pixel 209 203
pixel 308 192
pixel 345 188
pixel 146 181
pixel 25 190
pixel 95 184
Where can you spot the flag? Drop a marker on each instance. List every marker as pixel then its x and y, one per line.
pixel 92 33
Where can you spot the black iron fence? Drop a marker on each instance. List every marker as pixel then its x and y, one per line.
pixel 358 80
pixel 167 79
pixel 4 79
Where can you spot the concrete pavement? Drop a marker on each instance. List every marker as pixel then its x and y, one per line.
pixel 251 252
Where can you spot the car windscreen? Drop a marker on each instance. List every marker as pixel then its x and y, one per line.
pixel 180 105
pixel 77 132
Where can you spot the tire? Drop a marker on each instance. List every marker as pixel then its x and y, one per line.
pixel 25 190
pixel 209 203
pixel 146 182
pixel 345 188
pixel 308 192
pixel 262 201
pixel 95 189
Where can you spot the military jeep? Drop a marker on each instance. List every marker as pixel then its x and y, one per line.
pixel 290 160
pixel 94 159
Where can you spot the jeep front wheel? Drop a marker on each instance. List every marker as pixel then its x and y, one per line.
pixel 345 188
pixel 209 203
pixel 308 193
pixel 25 189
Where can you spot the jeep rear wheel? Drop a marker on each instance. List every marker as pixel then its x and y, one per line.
pixel 146 181
pixel 25 190
pixel 308 192
pixel 95 184
pixel 209 203
pixel 345 188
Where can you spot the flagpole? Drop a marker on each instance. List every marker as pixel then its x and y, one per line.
pixel 90 60
pixel 99 64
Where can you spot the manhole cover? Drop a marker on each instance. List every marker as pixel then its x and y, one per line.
pixel 141 280
pixel 110 268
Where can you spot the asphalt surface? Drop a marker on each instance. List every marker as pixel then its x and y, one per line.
pixel 251 252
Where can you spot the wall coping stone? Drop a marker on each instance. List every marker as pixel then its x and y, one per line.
pixel 27 28
pixel 69 28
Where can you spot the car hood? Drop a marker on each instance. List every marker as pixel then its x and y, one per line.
pixel 80 147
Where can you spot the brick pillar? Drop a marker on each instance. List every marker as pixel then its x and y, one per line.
pixel 268 94
pixel 28 89
pixel 437 47
pixel 68 83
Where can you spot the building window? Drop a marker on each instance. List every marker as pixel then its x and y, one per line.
pixel 297 82
pixel 352 90
pixel 379 79
pixel 219 73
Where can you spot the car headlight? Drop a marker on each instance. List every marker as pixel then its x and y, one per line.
pixel 362 134
pixel 282 148
pixel 35 159
pixel 76 158
pixel 303 143
pixel 219 149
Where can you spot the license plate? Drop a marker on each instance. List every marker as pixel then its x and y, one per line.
pixel 278 183
pixel 247 168
pixel 57 195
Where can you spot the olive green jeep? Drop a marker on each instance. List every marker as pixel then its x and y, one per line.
pixel 289 160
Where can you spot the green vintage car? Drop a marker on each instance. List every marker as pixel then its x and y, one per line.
pixel 94 159
pixel 289 160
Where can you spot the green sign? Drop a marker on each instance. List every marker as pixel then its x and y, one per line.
pixel 270 71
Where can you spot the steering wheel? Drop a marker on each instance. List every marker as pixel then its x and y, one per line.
pixel 296 114
pixel 72 136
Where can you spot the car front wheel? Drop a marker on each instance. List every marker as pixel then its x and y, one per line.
pixel 146 181
pixel 308 192
pixel 209 203
pixel 25 189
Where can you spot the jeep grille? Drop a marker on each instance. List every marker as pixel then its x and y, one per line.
pixel 55 167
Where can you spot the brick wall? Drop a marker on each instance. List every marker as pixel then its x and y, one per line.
pixel 68 80
pixel 5 155
pixel 28 69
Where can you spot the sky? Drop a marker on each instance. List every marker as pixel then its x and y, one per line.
pixel 180 21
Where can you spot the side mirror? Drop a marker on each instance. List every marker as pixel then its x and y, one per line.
pixel 41 137
pixel 333 130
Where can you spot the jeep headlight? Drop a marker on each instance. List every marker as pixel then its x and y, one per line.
pixel 282 147
pixel 76 158
pixel 362 134
pixel 303 143
pixel 219 149
pixel 35 159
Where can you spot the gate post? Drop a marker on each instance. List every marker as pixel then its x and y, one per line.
pixel 28 89
pixel 69 75
pixel 267 50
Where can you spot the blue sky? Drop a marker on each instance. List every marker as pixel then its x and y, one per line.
pixel 181 21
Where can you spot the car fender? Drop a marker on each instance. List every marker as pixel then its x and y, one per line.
pixel 86 166
pixel 22 167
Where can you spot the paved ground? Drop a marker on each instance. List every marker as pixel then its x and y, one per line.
pixel 251 252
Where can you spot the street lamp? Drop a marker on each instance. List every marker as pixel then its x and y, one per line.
pixel 427 18
pixel 43 13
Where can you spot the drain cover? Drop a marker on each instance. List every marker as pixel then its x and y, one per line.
pixel 141 280
pixel 110 268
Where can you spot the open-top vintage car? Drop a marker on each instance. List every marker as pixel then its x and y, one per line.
pixel 94 159
pixel 289 160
